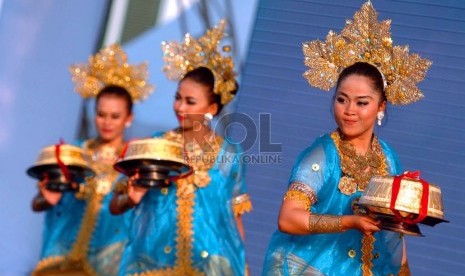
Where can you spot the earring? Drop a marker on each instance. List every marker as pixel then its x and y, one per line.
pixel 380 117
pixel 207 118
pixel 127 125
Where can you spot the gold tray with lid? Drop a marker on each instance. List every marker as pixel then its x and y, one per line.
pixel 155 160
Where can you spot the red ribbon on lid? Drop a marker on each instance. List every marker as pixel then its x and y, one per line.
pixel 424 197
pixel 122 155
pixel 63 168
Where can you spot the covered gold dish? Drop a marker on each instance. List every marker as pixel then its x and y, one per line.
pixel 155 160
pixel 401 202
pixel 61 165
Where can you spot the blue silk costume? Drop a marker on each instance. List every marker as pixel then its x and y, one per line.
pixel 189 228
pixel 318 167
pixel 80 234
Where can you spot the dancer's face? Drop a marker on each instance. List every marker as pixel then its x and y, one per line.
pixel 356 106
pixel 112 115
pixel 191 103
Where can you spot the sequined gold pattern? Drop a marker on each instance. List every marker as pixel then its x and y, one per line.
pixel 181 58
pixel 298 197
pixel 305 189
pixel 110 67
pixel 324 224
pixel 47 264
pixel 367 254
pixel 358 169
pixel 241 204
pixel 102 159
pixel 367 40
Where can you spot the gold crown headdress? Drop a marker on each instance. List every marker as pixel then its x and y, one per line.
pixel 181 58
pixel 364 39
pixel 109 67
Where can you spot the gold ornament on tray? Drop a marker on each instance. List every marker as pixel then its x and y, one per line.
pixel 365 39
pixel 181 58
pixel 401 202
pixel 110 67
pixel 62 165
pixel 156 160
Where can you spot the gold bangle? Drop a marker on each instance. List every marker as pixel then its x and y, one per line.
pixel 318 224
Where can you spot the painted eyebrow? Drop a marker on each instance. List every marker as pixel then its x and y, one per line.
pixel 358 98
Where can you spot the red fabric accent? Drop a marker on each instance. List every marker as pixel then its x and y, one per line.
pixel 125 149
pixel 63 167
pixel 423 212
pixel 122 155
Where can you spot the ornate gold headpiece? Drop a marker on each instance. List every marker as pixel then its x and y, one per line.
pixel 110 67
pixel 364 39
pixel 203 52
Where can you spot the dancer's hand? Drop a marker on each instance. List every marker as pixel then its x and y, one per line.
pixel 362 223
pixel 52 197
pixel 135 193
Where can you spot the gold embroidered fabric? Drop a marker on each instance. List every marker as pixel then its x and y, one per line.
pixel 358 169
pixel 102 160
pixel 241 205
pixel 367 254
pixel 298 197
pixel 365 39
pixel 301 192
pixel 324 224
pixel 48 264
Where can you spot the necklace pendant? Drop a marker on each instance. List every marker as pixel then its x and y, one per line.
pixel 103 186
pixel 202 178
pixel 347 185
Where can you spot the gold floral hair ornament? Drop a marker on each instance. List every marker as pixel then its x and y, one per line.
pixel 364 39
pixel 109 67
pixel 181 58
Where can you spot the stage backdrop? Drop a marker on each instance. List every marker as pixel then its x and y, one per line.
pixel 38 41
pixel 429 135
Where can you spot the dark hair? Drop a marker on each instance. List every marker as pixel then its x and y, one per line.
pixel 366 70
pixel 116 91
pixel 205 77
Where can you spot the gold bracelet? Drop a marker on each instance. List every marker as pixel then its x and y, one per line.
pixel 318 224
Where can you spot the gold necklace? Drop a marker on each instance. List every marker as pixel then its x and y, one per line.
pixel 102 157
pixel 200 156
pixel 358 169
